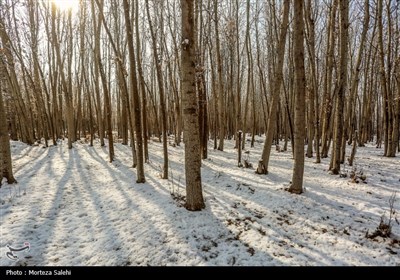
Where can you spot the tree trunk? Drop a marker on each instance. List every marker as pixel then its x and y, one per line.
pixel 5 152
pixel 300 91
pixel 278 78
pixel 97 27
pixel 135 96
pixel 385 84
pixel 194 194
pixel 65 85
pixel 239 141
pixel 341 87
pixel 327 93
pixel 142 86
pixel 14 87
pixel 354 84
pixel 158 62
pixel 221 90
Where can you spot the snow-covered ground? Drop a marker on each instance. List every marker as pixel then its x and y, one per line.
pixel 75 208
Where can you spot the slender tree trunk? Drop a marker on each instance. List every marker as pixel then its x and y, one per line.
pixel 135 95
pixel 342 86
pixel 194 194
pixel 355 81
pixel 277 85
pixel 239 141
pixel 396 125
pixel 97 28
pixel 14 87
pixel 160 79
pixel 313 102
pixel 5 151
pixel 353 149
pixel 142 86
pixel 386 95
pixel 221 90
pixel 103 77
pixel 66 88
pixel 201 80
pixel 327 101
pixel 300 92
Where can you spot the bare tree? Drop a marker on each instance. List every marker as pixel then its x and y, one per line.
pixel 106 92
pixel 135 95
pixel 14 86
pixel 142 85
pixel 277 85
pixel 5 152
pixel 194 195
pixel 327 91
pixel 341 86
pixel 355 80
pixel 160 80
pixel 300 91
pixel 221 90
pixel 64 82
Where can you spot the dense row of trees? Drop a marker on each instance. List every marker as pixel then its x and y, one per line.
pixel 325 74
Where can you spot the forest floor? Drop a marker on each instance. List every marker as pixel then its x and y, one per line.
pixel 75 208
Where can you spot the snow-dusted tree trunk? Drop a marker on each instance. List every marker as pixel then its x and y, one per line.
pixel 300 91
pixel 194 194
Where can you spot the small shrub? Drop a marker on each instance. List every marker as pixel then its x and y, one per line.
pixel 384 228
pixel 357 175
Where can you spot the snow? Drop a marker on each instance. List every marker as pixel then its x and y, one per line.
pixel 75 208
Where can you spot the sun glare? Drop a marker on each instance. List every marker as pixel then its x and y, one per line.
pixel 65 5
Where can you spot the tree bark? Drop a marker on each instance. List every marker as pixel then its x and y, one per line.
pixel 5 151
pixel 194 194
pixel 355 81
pixel 327 93
pixel 300 91
pixel 135 96
pixel 160 79
pixel 142 86
pixel 341 87
pixel 221 90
